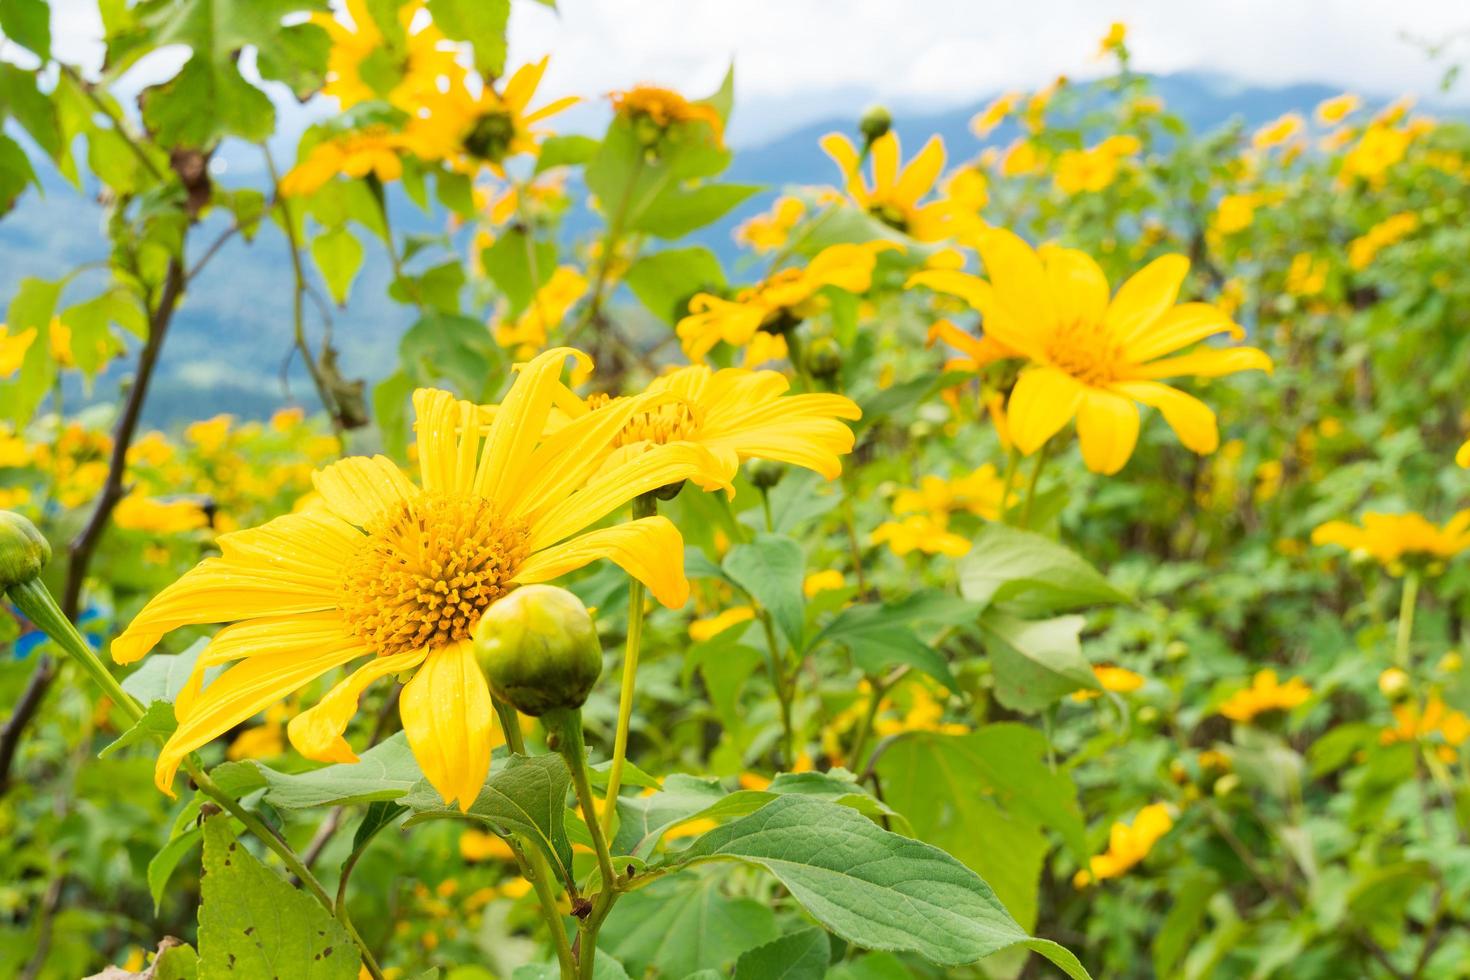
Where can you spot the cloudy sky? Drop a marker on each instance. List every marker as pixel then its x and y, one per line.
pixel 798 59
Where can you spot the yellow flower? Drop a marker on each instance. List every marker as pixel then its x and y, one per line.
pixel 1092 358
pixel 764 348
pixel 1307 275
pixel 1378 149
pixel 980 492
pixel 13 349
pixel 1128 844
pixel 823 581
pixel 733 414
pixel 1021 158
pixel 479 845
pixel 286 419
pixel 1462 457
pixel 469 127
pixel 417 61
pixel 401 573
pixel 994 114
pixel 374 150
pixel 1265 694
pixel 920 532
pixel 529 332
pixel 712 626
pixel 1235 212
pixel 1113 40
pixel 770 231
pixel 1119 680
pixel 209 434
pixel 1093 169
pixel 664 109
pixel 779 302
pixel 1413 723
pixel 1365 248
pixel 1395 539
pixel 893 197
pixel 140 512
pixel 1277 132
pixel 1334 110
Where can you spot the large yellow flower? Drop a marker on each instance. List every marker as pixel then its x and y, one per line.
pixel 1092 358
pixel 1395 539
pixel 469 127
pixel 893 197
pixel 734 414
pixel 422 59
pixel 781 301
pixel 401 573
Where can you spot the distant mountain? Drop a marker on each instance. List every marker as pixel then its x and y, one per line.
pixel 231 340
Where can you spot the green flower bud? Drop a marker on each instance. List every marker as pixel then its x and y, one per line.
pixel 766 473
pixel 23 550
pixel 539 649
pixel 875 123
pixel 823 358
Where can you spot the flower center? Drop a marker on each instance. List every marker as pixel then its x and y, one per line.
pixel 491 136
pixel 427 570
pixel 1086 351
pixel 671 422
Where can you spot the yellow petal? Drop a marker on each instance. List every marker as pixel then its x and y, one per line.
pixel 1107 428
pixel 649 549
pixel 448 436
pixel 317 731
pixel 449 721
pixel 522 85
pixel 1463 456
pixel 288 566
pixel 520 422
pixel 1341 533
pixel 1079 286
pixel 1022 291
pixel 921 173
pixel 842 152
pixel 1147 295
pixel 359 488
pixel 1178 327
pixel 1191 419
pixel 304 634
pixel 1212 362
pixel 244 690
pixel 885 153
pixel 1043 401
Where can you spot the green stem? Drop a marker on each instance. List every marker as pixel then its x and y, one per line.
pixel 33 599
pixel 1013 460
pixel 778 681
pixel 849 520
pixel 536 873
pixel 1041 455
pixel 766 508
pixel 1408 602
pixel 643 506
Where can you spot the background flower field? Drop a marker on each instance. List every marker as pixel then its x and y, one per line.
pixel 1083 505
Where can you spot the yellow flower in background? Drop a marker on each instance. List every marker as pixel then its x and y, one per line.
pixel 827 580
pixel 771 230
pixel 1034 115
pixel 920 532
pixel 13 349
pixel 733 414
pixel 893 196
pixel 209 435
pixel 543 194
pixel 1462 457
pixel 1413 723
pixel 984 121
pixel 978 351
pixel 418 59
pixel 1332 111
pixel 1265 694
pixel 139 512
pixel 764 348
pixel 1307 275
pixel 469 127
pixel 1379 148
pixel 480 845
pixel 1365 248
pixel 1113 40
pixel 1277 132
pixel 264 741
pixel 400 574
pixel 548 307
pixel 1119 680
pixel 1021 158
pixel 1235 212
pixel 1128 844
pixel 1395 539
pixel 1092 358
pixel 980 492
pixel 1093 169
pixel 375 150
pixel 712 626
pixel 781 301
pixel 664 109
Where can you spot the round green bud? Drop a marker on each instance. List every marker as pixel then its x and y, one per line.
pixel 24 551
pixel 765 473
pixel 823 358
pixel 875 123
pixel 539 649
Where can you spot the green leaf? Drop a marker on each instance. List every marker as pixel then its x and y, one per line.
pixel 338 254
pixel 390 410
pixel 680 925
pixel 387 771
pixel 526 796
pixel 205 102
pixel 162 865
pixel 770 569
pixel 1036 663
pixel 882 636
pixel 161 676
pixel 676 212
pixel 800 955
pixel 31 309
pixel 23 100
pixel 632 775
pixel 297 57
pixel 665 281
pixel 509 264
pixel 987 798
pixel 176 963
pixel 27 23
pixel 1182 924
pixel 874 888
pixel 454 348
pixel 565 151
pixel 16 174
pixel 158 721
pixel 253 924
pixel 1030 574
pixel 92 341
pixel 480 22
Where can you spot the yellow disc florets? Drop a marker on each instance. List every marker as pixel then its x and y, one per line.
pixel 427 570
pixel 671 422
pixel 1086 351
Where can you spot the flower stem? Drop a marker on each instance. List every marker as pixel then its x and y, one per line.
pixel 783 694
pixel 1013 460
pixel 538 874
pixel 1408 602
pixel 1041 455
pixel 643 506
